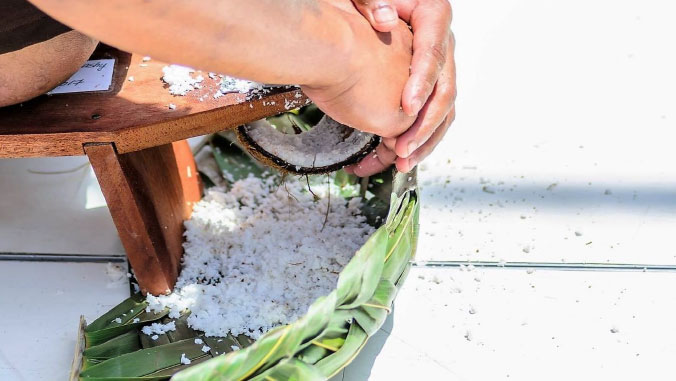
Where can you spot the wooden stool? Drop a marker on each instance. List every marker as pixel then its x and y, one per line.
pixel 136 145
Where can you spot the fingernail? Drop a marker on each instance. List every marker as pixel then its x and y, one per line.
pixel 384 14
pixel 416 106
pixel 411 147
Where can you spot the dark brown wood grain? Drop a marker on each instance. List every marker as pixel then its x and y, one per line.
pixel 149 199
pixel 133 114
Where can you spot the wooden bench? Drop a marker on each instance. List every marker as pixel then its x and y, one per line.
pixel 137 148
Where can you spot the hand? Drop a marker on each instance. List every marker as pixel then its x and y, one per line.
pixel 368 96
pixel 430 91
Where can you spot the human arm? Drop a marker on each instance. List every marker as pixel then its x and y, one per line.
pixel 353 73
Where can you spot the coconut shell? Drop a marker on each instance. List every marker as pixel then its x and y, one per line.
pixel 274 161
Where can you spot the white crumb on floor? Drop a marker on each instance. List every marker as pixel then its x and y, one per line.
pixel 257 256
pixel 159 328
pixel 117 275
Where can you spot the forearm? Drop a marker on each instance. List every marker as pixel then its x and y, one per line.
pixel 244 38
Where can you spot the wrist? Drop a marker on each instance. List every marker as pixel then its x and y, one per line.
pixel 335 29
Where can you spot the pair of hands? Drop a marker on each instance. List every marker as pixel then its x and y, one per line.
pixel 401 86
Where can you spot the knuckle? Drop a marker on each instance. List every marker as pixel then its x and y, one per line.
pixel 448 120
pixel 438 51
pixel 447 92
pixel 446 9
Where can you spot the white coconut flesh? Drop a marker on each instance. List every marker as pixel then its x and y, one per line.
pixel 328 144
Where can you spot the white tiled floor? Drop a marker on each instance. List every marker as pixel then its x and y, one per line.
pixel 566 123
pixel 504 324
pixel 41 307
pixel 575 97
pixel 54 206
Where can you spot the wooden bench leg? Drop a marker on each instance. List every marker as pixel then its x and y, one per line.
pixel 149 193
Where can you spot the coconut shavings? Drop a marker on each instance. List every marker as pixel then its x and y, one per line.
pixel 235 85
pixel 183 79
pixel 159 328
pixel 185 360
pixel 180 79
pixel 256 257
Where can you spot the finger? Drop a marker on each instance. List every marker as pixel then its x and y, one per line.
pixel 381 14
pixel 406 164
pixel 431 116
pixel 375 162
pixel 431 22
pixel 390 143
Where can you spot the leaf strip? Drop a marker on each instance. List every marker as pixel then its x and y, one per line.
pixel 267 356
pixel 396 243
pixel 377 306
pixel 317 343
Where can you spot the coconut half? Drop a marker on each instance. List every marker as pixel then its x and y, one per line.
pixel 327 147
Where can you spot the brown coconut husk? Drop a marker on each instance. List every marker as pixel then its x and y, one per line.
pixel 274 161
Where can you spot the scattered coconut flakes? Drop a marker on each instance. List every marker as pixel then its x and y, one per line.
pixel 117 320
pixel 159 328
pixel 136 320
pixel 154 337
pixel 234 347
pixel 264 250
pixel 185 360
pixel 172 106
pixel 205 349
pixel 180 80
pixel 235 85
pixel 199 341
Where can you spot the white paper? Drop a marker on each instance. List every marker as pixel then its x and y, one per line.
pixel 94 75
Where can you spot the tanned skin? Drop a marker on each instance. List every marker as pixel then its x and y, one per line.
pixel 38 68
pixel 352 72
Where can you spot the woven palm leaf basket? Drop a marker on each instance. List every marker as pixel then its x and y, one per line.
pixel 315 347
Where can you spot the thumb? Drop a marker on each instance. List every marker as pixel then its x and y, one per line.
pixel 381 13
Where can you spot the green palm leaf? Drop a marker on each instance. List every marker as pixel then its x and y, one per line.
pixel 315 347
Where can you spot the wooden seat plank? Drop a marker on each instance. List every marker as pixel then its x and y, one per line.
pixel 133 115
